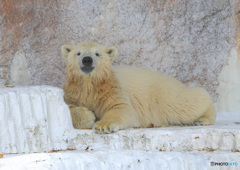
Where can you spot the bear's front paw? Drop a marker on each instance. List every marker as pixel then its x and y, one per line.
pixel 82 118
pixel 87 124
pixel 105 127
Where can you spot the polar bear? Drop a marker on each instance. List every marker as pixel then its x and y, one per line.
pixel 126 97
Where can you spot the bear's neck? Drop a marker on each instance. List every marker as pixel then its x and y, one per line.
pixel 85 91
pixel 88 82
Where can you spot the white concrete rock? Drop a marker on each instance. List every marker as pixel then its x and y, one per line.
pixel 33 119
pixel 115 160
pixel 36 119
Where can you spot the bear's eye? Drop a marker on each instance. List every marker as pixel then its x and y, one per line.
pixel 97 54
pixel 78 53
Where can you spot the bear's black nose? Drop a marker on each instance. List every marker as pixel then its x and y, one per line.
pixel 87 61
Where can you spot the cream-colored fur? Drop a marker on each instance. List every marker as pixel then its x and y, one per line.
pixel 128 97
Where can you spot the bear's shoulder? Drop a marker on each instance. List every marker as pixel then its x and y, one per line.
pixel 135 73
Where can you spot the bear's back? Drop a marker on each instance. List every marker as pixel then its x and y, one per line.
pixel 158 98
pixel 143 78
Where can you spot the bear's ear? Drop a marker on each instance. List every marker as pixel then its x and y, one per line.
pixel 66 49
pixel 111 51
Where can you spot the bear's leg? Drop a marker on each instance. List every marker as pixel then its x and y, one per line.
pixel 116 119
pixel 82 117
pixel 208 118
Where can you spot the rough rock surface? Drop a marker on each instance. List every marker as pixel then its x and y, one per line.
pixel 119 160
pixel 187 39
pixel 36 119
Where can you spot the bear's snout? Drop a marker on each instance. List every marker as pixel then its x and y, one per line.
pixel 87 61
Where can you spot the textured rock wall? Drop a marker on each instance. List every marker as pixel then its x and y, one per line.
pixel 187 39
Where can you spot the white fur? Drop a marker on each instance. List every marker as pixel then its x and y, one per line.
pixel 128 97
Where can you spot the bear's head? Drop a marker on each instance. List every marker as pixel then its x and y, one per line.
pixel 88 59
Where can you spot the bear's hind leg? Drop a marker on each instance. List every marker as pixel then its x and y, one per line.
pixel 208 118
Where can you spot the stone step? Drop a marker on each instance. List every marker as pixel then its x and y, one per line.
pixel 124 159
pixel 36 119
pixel 181 139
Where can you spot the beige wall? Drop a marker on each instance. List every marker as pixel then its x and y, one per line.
pixel 196 41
